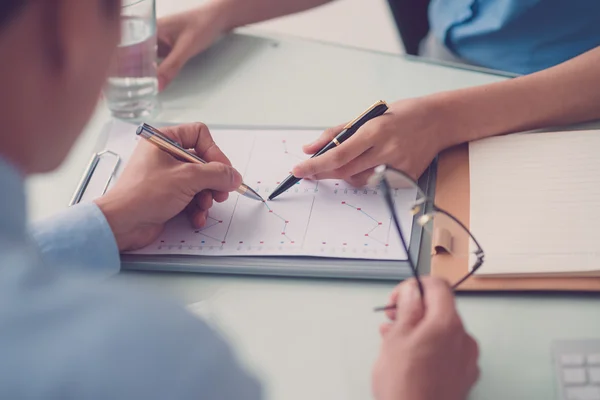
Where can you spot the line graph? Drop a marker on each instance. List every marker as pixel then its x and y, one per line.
pixel 377 224
pixel 315 218
pixel 285 223
pixel 213 222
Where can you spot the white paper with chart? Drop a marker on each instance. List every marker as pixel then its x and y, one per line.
pixel 320 219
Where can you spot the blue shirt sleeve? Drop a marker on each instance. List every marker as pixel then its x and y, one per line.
pixel 64 336
pixel 81 236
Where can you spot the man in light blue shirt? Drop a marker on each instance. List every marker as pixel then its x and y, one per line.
pixel 66 332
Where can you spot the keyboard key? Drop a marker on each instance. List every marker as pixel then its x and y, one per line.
pixel 593 359
pixel 594 374
pixel 583 393
pixel 574 376
pixel 572 359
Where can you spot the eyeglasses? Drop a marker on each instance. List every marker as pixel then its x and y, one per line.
pixel 446 232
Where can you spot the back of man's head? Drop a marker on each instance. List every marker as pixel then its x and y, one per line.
pixel 55 55
pixel 8 8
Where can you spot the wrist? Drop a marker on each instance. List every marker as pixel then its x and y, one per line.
pixel 222 13
pixel 445 126
pixel 117 220
pixel 466 115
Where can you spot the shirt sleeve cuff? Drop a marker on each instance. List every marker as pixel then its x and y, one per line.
pixel 78 237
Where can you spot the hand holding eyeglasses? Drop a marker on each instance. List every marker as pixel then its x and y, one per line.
pixel 425 339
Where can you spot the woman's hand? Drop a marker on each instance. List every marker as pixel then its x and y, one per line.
pixel 407 137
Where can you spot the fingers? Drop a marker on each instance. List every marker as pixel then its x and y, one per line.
pixel 215 176
pixel 220 197
pixel 204 199
pixel 198 218
pixel 473 350
pixel 182 51
pixel 391 314
pixel 197 136
pixel 361 179
pixel 409 306
pixel 335 158
pixel 197 210
pixel 385 328
pixel 439 301
pixel 325 138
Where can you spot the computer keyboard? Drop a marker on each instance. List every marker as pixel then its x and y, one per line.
pixel 578 369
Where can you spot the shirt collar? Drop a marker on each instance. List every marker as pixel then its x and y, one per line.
pixel 13 203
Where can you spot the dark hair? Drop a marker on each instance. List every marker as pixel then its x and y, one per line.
pixel 8 9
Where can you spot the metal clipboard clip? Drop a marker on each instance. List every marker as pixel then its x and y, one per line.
pixel 89 172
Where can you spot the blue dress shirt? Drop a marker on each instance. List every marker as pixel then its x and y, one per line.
pixel 520 36
pixel 68 333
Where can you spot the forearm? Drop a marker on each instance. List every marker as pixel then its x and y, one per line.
pixel 237 13
pixel 566 94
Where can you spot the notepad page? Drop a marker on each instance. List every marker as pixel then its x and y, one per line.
pixel 535 202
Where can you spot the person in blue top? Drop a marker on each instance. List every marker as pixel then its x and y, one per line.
pixel 67 332
pixel 556 42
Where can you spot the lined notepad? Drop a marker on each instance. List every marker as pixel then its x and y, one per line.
pixel 535 203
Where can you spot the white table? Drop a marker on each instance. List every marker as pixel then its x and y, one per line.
pixel 317 339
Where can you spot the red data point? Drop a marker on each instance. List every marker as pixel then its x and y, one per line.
pixel 278 183
pixel 345 244
pixel 343 202
pixel 220 222
pixel 223 242
pixel 387 245
pixel 366 234
pixel 358 209
pixel 287 222
pixel 293 242
pixel 270 210
pixel 324 242
pixel 381 223
pixel 283 233
pixel 262 242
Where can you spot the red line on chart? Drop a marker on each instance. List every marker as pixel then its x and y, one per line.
pixel 377 225
pixel 213 222
pixel 285 222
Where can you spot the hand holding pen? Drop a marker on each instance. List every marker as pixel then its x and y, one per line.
pixel 347 132
pixel 406 137
pixel 174 149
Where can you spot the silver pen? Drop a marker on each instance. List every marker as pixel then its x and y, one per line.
pixel 161 141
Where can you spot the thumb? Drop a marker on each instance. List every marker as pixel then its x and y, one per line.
pixel 325 138
pixel 180 54
pixel 410 308
pixel 215 176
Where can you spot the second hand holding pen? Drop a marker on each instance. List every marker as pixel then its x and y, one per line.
pixel 374 111
pixel 161 141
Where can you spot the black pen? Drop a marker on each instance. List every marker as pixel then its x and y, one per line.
pixel 374 111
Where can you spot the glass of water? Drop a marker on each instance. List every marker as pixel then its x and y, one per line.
pixel 132 85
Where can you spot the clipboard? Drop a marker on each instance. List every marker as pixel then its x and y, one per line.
pixel 105 163
pixel 453 195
